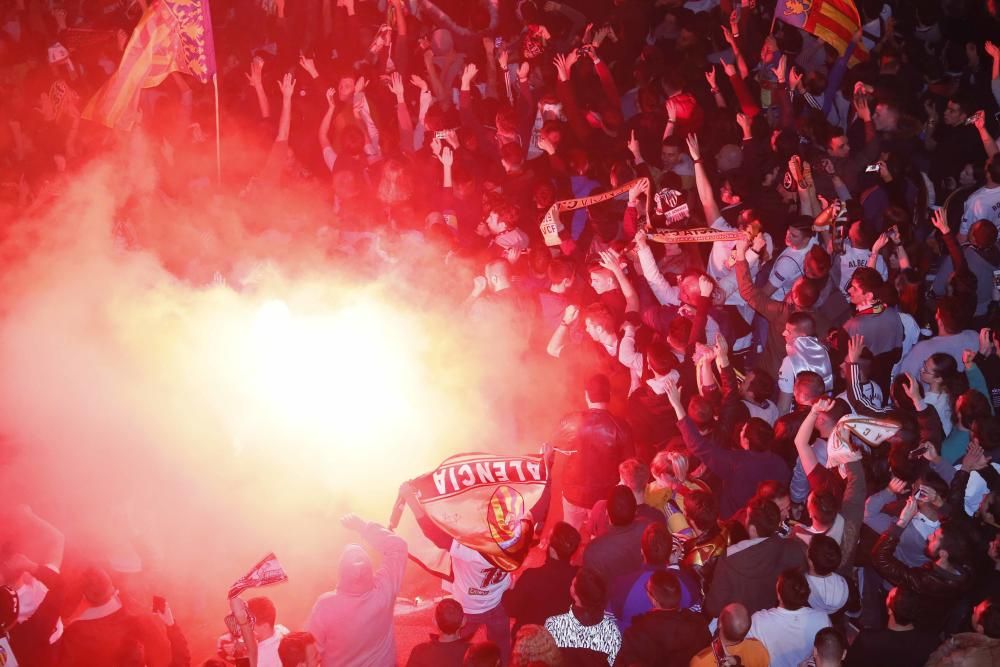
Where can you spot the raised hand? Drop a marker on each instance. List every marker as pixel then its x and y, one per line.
pixel 705 285
pixel 331 97
pixel 570 314
pixel 671 108
pixel 986 341
pixel 727 67
pixel 693 147
pixel 898 486
pixel 353 522
pixel 745 122
pixel 823 405
pixel 855 345
pixel 563 66
pixel 979 119
pixel 940 221
pixel 911 388
pixel 359 85
pixel 993 50
pixel 637 189
pixel 256 69
pixel 419 83
pixel 710 78
pixel 781 71
pixel 447 157
pixel 395 84
pixel 309 65
pixel 673 392
pixel 975 458
pixel 633 144
pixel 287 86
pixel 795 78
pixel 468 74
pixel 881 242
pixel 503 58
pixel 611 261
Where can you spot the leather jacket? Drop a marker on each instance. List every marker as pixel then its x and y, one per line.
pixel 596 442
pixel 927 580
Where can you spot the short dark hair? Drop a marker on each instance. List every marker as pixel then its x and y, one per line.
pixel 621 506
pixel 565 540
pixel 824 554
pixel 263 610
pixel 952 314
pixel 793 589
pixel 701 509
pixel 770 489
pixel 448 615
pixel 660 358
pixel 825 505
pixel 763 515
pixel 590 588
pixel 700 411
pixel 657 544
pixel 905 606
pixel 679 329
pixel 601 316
pixel 989 618
pixel 954 541
pixel 482 654
pixel 665 587
pixel 830 644
pixel 759 435
pixel 868 280
pixel 560 269
pixel 598 388
pixel 761 385
pixel 804 323
pixel 986 432
pixel 811 382
pixel 293 647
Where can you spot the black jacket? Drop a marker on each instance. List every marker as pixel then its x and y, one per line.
pixel 927 580
pixel 540 592
pixel 750 575
pixel 599 441
pixel 662 638
pixel 653 421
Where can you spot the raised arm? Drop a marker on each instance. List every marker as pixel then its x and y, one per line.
pixel 612 262
pixel 287 86
pixel 705 192
pixel 254 77
pixel 558 340
pixel 329 156
pixel 395 84
pixel 803 439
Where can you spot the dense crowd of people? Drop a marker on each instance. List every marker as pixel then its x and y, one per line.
pixel 783 450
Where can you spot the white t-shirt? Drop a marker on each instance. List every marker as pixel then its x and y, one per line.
pixel 976 490
pixel 853 259
pixel 983 204
pixel 787 268
pixel 827 594
pixel 267 649
pixel 478 584
pixel 7 657
pixel 787 635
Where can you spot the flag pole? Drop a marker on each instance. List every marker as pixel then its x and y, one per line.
pixel 218 131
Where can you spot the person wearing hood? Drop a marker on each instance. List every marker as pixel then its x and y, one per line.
pixel 804 352
pixel 353 623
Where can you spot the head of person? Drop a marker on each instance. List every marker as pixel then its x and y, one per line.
pixel 503 216
pixel 799 233
pixel 824 555
pixel 778 494
pixel 482 654
pixel 701 413
pixel 588 590
pixel 299 649
pixel 758 386
pixel 669 468
pixel 837 144
pixel 671 152
pixel 564 541
pixel 498 275
pixel 986 433
pixel 355 573
pixel 823 508
pixel 679 333
pixel 448 616
pixel 864 286
pixel 701 510
pixel 817 264
pixel 986 618
pixel 535 647
pixel 826 422
pixel 597 390
pixel 634 474
pixel 941 375
pixel 799 325
pixel 756 435
pixel 265 616
pixel 763 518
pixel 951 316
pixel 621 506
pixel 657 544
pixel 599 322
pixel 993 171
pixel 948 543
pixel 903 606
pixel 561 274
pixel 734 623
pixel 957 111
pixel 97 587
pixel 602 280
pixel 512 157
pixel 886 117
pixel 664 590
pixel 970 406
pixel 346 80
pixel 983 234
pixel 808 388
pixel 660 359
pixel 793 590
pixel 859 236
pixel 829 648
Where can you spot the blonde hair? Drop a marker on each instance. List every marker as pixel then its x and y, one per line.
pixel 535 645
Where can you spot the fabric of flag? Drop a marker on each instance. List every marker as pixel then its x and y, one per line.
pixel 833 21
pixel 172 36
pixel 854 436
pixel 479 500
pixel 265 573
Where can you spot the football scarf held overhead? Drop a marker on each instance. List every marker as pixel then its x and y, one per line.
pixel 480 501
pixel 265 573
pixel 551 226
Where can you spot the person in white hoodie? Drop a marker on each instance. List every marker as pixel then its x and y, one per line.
pixel 828 590
pixel 804 353
pixel 353 624
pixel 789 630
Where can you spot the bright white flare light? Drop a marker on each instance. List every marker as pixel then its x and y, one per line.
pixel 348 373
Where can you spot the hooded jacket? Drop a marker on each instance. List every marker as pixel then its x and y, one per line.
pixel 664 638
pixel 353 624
pixel 749 572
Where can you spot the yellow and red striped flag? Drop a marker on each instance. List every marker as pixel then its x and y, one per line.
pixel 172 36
pixel 833 21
